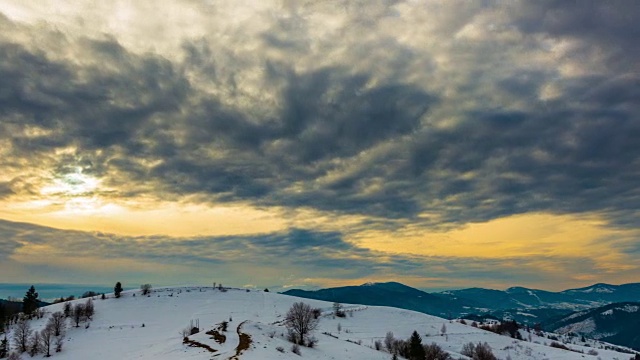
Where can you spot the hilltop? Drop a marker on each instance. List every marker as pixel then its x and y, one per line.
pixel 151 327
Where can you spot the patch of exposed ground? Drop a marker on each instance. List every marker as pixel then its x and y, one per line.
pixel 243 344
pixel 193 343
pixel 217 336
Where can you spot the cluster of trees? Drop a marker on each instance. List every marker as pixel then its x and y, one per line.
pixel 51 338
pixel 510 328
pixel 480 351
pixel 412 348
pixel 26 340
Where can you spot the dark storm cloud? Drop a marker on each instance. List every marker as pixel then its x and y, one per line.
pixel 341 137
pixel 610 25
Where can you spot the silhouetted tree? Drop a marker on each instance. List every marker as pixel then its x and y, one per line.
pixel 300 321
pixel 416 351
pixel 30 301
pixel 117 289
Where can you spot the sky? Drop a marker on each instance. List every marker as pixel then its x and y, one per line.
pixel 442 144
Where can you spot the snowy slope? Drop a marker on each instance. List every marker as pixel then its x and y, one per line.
pixel 117 331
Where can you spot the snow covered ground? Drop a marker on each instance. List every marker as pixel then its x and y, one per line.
pixel 150 327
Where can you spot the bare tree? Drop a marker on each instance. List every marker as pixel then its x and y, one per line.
pixel 21 335
pixel 78 314
pixel 89 309
pixel 300 321
pixel 35 344
pixel 57 323
pixel 388 342
pixel 47 336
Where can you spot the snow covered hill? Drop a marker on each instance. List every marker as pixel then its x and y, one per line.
pixel 151 327
pixel 618 323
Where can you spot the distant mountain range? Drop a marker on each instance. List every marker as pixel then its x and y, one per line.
pixel 617 323
pixel 524 305
pixel 556 310
pixel 524 298
pixel 474 300
pixel 389 294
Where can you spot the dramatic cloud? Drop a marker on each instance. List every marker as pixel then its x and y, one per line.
pixel 296 256
pixel 402 116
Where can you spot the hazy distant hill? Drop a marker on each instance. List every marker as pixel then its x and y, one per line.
pixel 523 298
pixel 617 323
pixel 390 294
pixel 527 306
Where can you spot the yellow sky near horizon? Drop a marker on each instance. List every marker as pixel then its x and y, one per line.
pixel 542 237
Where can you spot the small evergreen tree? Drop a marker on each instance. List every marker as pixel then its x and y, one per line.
pixel 416 351
pixel 4 347
pixel 67 309
pixel 30 301
pixel 117 289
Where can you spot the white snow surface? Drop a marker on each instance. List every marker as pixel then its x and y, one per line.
pixel 117 332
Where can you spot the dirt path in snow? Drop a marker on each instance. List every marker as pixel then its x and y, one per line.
pixel 243 344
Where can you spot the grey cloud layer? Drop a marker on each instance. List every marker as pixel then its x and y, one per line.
pixel 365 124
pixel 299 253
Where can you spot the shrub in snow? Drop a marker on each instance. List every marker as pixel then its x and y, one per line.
pixel 145 289
pixel 468 349
pixel 378 345
pixel 312 342
pixel 295 349
pixel 483 352
pixel 280 348
pixel 435 352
